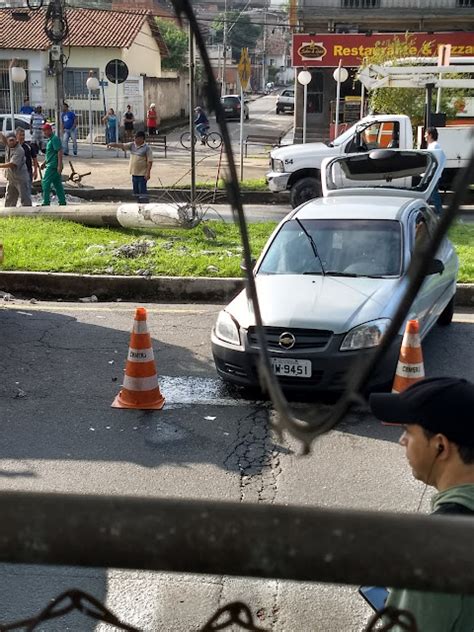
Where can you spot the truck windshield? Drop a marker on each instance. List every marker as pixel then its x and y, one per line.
pixel 342 138
pixel 352 248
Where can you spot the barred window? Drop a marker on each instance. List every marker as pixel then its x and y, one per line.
pixel 361 4
pixel 465 4
pixel 20 90
pixel 75 79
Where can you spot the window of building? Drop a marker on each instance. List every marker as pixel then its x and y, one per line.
pixel 75 79
pixel 360 4
pixel 315 92
pixel 20 90
pixel 465 4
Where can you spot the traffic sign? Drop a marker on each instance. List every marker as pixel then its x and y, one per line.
pixel 245 68
pixel 116 71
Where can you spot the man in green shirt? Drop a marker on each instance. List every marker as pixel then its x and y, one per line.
pixel 54 167
pixel 437 417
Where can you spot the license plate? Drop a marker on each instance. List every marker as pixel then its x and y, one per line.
pixel 288 367
pixel 228 109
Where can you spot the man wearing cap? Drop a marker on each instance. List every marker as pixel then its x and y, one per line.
pixel 437 415
pixel 54 167
pixel 18 180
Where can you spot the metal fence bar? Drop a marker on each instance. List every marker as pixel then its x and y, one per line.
pixel 292 543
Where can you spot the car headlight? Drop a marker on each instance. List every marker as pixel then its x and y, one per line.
pixel 366 335
pixel 278 166
pixel 227 329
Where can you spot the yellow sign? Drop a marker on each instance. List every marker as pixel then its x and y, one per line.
pixel 245 68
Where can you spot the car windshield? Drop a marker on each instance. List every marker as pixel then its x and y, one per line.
pixel 230 100
pixel 351 248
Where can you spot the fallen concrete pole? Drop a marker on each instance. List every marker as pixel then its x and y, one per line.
pixel 160 215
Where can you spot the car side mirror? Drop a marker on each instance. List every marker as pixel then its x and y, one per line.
pixel 243 267
pixel 436 267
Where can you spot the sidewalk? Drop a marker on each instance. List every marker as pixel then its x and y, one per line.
pixel 111 171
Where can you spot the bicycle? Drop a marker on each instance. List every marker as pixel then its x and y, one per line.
pixel 212 139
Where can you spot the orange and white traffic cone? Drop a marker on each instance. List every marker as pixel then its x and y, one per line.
pixel 140 387
pixel 410 367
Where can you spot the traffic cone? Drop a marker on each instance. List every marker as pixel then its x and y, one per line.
pixel 140 387
pixel 410 368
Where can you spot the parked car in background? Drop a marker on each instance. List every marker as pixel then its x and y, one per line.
pixel 285 101
pixel 231 104
pixel 333 273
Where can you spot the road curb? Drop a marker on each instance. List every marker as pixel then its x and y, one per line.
pixel 54 285
pixel 172 195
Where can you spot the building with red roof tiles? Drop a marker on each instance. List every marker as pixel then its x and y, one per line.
pixel 96 36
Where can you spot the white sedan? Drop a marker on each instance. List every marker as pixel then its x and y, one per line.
pixel 333 273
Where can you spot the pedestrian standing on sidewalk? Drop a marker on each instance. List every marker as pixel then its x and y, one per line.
pixel 110 120
pixel 18 180
pixel 128 123
pixel 141 162
pixel 152 120
pixel 53 167
pixel 69 125
pixel 431 138
pixel 36 123
pixel 436 416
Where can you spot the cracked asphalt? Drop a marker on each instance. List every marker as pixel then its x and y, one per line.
pixel 61 367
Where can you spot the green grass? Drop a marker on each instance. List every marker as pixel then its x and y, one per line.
pixel 59 246
pixel 462 237
pixel 255 184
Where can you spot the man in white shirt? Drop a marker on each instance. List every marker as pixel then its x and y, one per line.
pixel 431 138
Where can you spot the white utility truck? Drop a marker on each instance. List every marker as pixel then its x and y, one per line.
pixel 297 168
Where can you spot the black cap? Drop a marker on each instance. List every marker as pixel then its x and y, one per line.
pixel 438 404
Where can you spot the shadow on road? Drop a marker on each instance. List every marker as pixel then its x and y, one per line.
pixel 59 433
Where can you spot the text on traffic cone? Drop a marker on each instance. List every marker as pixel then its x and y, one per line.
pixel 410 367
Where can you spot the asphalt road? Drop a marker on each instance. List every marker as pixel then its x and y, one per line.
pixel 61 367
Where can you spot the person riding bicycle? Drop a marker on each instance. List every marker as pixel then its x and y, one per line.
pixel 201 123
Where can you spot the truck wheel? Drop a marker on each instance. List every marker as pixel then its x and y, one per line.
pixel 446 316
pixel 303 190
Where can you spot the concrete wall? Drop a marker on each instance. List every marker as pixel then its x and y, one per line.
pixel 170 95
pixel 143 57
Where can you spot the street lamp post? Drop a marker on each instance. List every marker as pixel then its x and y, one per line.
pixel 304 77
pixel 92 83
pixel 340 75
pixel 16 75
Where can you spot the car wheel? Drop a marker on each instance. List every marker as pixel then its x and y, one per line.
pixel 447 314
pixel 278 110
pixel 303 190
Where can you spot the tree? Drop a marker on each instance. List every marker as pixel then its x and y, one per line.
pixel 176 41
pixel 409 101
pixel 242 32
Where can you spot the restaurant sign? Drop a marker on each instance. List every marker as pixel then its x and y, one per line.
pixel 325 50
